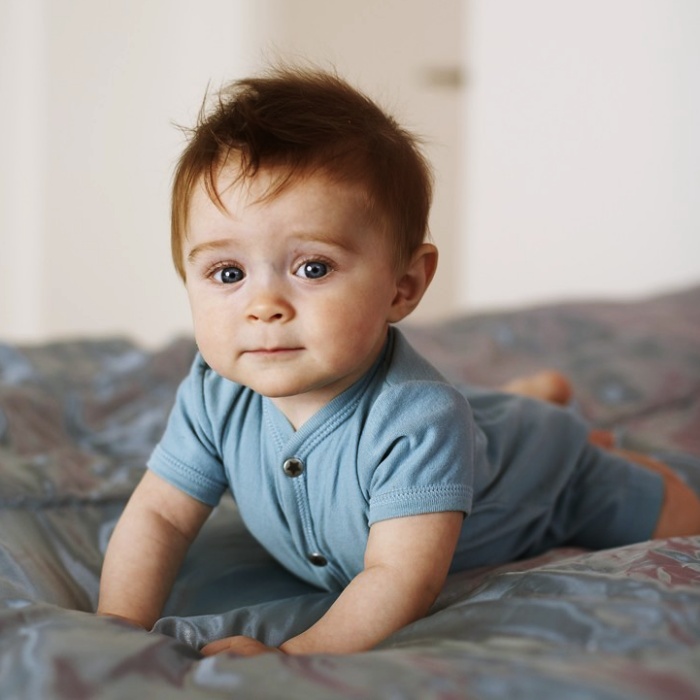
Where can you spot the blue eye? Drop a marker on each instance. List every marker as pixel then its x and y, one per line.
pixel 313 270
pixel 229 275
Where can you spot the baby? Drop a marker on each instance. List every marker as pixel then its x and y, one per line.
pixel 299 226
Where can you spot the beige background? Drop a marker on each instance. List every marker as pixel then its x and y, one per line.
pixel 563 133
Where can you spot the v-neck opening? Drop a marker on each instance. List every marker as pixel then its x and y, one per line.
pixel 320 423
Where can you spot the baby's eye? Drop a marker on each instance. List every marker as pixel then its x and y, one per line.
pixel 229 274
pixel 313 270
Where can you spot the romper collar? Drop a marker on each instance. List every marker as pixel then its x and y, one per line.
pixel 333 414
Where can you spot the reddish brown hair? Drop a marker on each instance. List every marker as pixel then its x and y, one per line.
pixel 301 121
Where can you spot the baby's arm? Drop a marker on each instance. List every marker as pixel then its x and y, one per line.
pixel 406 563
pixel 147 550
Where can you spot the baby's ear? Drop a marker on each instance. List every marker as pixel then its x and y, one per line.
pixel 412 284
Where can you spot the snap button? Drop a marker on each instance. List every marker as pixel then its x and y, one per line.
pixel 293 467
pixel 317 559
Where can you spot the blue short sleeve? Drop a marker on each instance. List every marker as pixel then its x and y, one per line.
pixel 187 455
pixel 424 442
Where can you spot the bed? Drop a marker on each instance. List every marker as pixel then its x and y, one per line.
pixel 78 419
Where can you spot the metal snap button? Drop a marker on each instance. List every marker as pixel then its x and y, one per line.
pixel 318 559
pixel 293 467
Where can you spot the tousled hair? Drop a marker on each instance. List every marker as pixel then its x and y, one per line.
pixel 299 122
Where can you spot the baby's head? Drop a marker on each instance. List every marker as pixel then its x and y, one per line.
pixel 298 123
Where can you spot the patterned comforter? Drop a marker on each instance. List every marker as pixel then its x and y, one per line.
pixel 78 419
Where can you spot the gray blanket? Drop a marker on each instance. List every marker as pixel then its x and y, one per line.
pixel 79 418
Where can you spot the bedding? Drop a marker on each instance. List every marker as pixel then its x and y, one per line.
pixel 79 418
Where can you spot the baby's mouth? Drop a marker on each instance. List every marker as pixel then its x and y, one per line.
pixel 273 351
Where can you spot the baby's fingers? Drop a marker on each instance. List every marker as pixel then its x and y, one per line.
pixel 240 645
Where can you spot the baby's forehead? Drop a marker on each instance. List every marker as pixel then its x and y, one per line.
pixel 271 190
pixel 317 186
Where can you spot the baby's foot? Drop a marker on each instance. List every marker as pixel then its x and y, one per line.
pixel 602 438
pixel 547 385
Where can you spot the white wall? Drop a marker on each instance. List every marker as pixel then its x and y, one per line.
pixel 581 152
pixel 22 145
pixel 583 149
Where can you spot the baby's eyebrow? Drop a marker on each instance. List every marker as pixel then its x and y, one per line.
pixel 324 239
pixel 203 247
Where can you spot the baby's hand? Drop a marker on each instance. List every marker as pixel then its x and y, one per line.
pixel 240 645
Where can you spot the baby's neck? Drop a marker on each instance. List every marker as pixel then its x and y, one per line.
pixel 297 410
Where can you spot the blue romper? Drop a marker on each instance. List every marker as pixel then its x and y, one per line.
pixel 401 441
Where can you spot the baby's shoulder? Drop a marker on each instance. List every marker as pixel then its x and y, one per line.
pixel 414 397
pixel 417 406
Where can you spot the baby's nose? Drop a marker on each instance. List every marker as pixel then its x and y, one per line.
pixel 268 306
